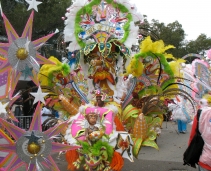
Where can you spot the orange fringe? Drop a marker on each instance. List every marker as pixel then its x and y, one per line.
pixel 119 125
pixel 117 162
pixel 177 98
pixel 71 156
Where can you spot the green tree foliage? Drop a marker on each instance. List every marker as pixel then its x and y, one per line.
pixel 200 45
pixel 174 34
pixel 46 20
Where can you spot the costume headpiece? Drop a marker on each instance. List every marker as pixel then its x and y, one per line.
pixel 99 20
pixel 92 111
pixel 99 93
pixel 206 100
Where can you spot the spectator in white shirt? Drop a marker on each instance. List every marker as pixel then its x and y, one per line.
pixel 46 113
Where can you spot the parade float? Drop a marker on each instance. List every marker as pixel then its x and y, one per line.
pixel 111 101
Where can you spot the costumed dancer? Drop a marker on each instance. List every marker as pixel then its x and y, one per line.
pixel 180 114
pixel 205 130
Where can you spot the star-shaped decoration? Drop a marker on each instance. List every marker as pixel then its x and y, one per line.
pixel 3 108
pixel 39 96
pixel 22 155
pixel 27 72
pixel 0 9
pixel 21 50
pixel 33 138
pixel 123 144
pixel 33 4
pixel 4 82
pixel 7 113
pixel 27 45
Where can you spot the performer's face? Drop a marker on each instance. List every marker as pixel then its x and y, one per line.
pixel 100 103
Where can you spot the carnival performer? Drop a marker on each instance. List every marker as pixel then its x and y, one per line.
pixel 180 114
pixel 205 130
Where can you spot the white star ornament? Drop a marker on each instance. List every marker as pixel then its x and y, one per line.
pixel 33 4
pixel 39 96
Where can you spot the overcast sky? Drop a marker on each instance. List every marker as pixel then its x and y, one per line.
pixel 194 15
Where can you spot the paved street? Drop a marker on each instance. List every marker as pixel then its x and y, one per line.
pixel 169 157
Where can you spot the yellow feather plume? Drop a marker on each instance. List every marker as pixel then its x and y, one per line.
pixel 46 71
pixel 155 47
pixel 135 68
pixel 176 67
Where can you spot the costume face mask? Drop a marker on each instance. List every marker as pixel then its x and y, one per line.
pixel 92 118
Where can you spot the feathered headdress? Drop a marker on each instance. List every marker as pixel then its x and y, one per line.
pixel 85 19
pixel 47 71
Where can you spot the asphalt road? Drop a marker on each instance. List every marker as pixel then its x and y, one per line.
pixel 168 158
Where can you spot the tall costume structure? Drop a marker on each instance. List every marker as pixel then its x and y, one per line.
pixel 111 101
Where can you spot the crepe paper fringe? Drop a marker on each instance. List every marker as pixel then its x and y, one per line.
pixel 119 125
pixel 71 157
pixel 117 162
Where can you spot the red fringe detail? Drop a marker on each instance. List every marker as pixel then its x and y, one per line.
pixel 119 125
pixel 71 156
pixel 117 162
pixel 177 98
